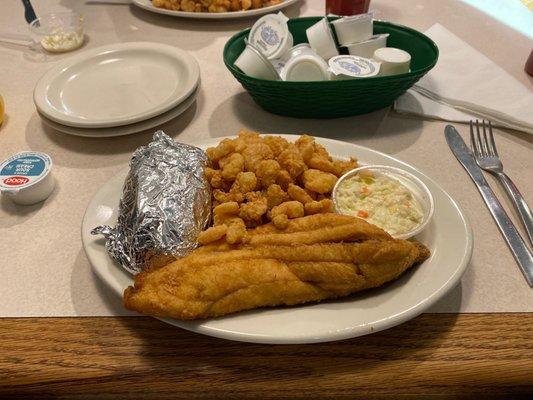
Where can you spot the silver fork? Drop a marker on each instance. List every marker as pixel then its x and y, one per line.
pixel 487 158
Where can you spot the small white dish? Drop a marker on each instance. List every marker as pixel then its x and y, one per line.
pixel 367 48
pixel 448 236
pixel 353 29
pixel 270 35
pixel 58 32
pixel 393 61
pixel 26 178
pixel 147 5
pixel 302 48
pixel 124 129
pixel 253 63
pixel 352 67
pixel 321 39
pixel 116 85
pixel 414 185
pixel 306 67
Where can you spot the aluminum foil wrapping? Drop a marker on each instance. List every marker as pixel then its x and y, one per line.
pixel 165 204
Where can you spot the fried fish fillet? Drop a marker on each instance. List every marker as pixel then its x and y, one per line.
pixel 317 257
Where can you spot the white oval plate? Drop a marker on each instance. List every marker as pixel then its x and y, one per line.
pixel 448 236
pixel 116 85
pixel 147 5
pixel 124 129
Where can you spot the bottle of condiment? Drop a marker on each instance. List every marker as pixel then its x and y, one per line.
pixel 347 7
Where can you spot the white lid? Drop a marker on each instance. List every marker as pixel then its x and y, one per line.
pixel 392 55
pixel 252 60
pixel 352 19
pixel 374 38
pixel 353 66
pixel 24 170
pixel 306 67
pixel 270 34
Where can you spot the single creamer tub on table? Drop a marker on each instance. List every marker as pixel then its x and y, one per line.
pixel 26 178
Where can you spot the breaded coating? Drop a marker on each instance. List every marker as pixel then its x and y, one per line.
pixel 212 234
pixel 322 163
pixel 318 181
pixel 213 6
pixel 292 209
pixel 253 210
pixel 229 208
pixel 236 232
pixel 291 160
pixel 224 148
pixel 280 221
pixel 345 166
pixel 222 197
pixel 214 177
pixel 275 195
pixel 244 183
pixel 254 153
pixel 276 143
pixel 284 179
pixel 252 167
pixel 297 193
pixel 319 207
pixel 231 166
pixel 302 263
pixel 267 172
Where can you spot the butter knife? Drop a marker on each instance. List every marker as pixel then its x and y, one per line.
pixel 518 247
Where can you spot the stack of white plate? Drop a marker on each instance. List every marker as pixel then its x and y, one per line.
pixel 118 89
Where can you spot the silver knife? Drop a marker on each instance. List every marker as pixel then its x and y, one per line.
pixel 518 247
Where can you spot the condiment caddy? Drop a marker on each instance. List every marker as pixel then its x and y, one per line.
pixel 269 53
pixel 305 93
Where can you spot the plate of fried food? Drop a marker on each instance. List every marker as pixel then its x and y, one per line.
pixel 213 9
pixel 278 262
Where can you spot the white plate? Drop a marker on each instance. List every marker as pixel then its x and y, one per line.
pixel 448 236
pixel 116 85
pixel 124 129
pixel 147 5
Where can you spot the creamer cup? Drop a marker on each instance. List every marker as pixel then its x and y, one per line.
pixel 253 63
pixel 26 177
pixel 393 61
pixel 306 67
pixel 302 48
pixel 278 64
pixel 353 29
pixel 349 67
pixel 367 48
pixel 271 36
pixel 321 39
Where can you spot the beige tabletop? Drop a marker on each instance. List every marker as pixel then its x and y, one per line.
pixel 44 268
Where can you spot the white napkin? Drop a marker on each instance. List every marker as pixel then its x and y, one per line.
pixel 466 85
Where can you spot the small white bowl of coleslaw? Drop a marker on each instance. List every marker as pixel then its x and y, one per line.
pixel 388 197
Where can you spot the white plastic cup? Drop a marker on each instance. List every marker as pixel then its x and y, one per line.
pixel 393 61
pixel 353 29
pixel 321 39
pixel 270 35
pixel 302 48
pixel 253 63
pixel 351 67
pixel 306 67
pixel 26 178
pixel 367 48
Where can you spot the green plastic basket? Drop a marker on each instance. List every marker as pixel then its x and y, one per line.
pixel 333 99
